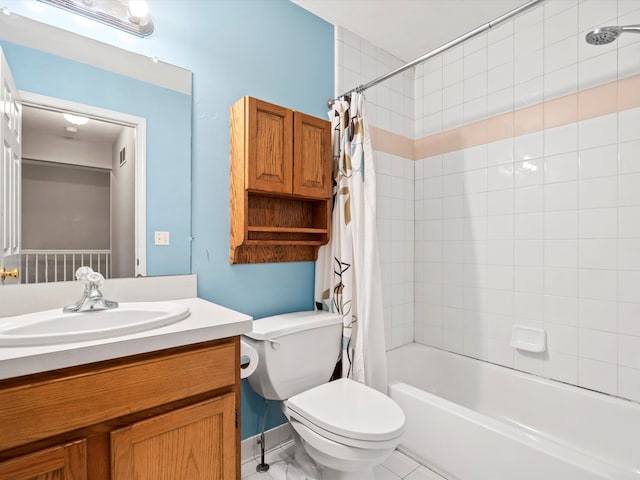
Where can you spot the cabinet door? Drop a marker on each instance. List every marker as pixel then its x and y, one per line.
pixel 269 147
pixel 191 443
pixel 64 462
pixel 311 156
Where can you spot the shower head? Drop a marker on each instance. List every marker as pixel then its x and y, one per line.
pixel 604 35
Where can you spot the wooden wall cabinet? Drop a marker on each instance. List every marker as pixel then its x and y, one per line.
pixel 281 183
pixel 164 416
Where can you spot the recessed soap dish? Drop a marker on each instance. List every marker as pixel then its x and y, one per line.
pixel 529 339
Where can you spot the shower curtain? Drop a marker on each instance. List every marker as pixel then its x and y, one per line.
pixel 348 279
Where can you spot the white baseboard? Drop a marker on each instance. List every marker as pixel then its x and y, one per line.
pixel 275 437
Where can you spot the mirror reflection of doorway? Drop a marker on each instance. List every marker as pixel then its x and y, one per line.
pixel 78 196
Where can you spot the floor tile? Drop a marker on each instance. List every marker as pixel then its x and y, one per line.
pixel 400 464
pixel 381 473
pixel 423 473
pixel 397 467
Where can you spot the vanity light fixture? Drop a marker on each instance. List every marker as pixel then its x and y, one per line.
pixel 131 16
pixel 75 119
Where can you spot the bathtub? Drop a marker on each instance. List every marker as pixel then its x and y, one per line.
pixel 471 420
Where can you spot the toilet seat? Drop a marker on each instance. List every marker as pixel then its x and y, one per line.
pixel 349 413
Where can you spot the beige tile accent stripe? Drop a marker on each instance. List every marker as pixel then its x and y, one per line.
pixel 387 142
pixel 593 102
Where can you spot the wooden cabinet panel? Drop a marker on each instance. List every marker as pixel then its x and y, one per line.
pixel 270 147
pixel 312 157
pixel 64 462
pixel 50 406
pixel 192 443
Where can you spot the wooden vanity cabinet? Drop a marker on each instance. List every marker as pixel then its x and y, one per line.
pixel 170 415
pixel 281 183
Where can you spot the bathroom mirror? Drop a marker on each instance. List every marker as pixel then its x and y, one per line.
pixel 47 62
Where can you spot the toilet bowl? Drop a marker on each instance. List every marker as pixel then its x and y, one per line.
pixel 342 429
pixel 346 427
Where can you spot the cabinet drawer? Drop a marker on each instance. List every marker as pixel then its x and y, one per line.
pixel 47 407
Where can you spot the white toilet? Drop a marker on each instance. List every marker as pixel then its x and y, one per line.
pixel 346 427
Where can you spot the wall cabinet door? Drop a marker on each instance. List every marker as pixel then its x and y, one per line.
pixel 269 147
pixel 311 156
pixel 64 462
pixel 192 443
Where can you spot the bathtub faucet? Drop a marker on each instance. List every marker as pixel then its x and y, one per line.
pixel 92 298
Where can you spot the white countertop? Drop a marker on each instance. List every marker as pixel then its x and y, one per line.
pixel 207 321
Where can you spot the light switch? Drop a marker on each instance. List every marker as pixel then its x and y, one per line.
pixel 162 238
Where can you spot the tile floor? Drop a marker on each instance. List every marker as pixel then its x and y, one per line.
pixel 397 467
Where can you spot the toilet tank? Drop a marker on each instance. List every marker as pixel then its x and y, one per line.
pixel 296 352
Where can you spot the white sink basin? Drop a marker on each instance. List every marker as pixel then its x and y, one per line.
pixel 53 326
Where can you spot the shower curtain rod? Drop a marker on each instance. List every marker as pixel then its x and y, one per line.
pixel 441 49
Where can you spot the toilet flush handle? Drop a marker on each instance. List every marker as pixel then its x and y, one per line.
pixel 274 343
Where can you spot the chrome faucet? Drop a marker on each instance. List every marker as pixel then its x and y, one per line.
pixel 92 298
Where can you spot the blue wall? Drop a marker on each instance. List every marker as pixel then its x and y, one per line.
pixel 269 49
pixel 168 115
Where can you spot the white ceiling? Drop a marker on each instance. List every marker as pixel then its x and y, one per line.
pixel 409 28
pixel 39 121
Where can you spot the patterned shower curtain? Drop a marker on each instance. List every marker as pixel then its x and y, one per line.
pixel 348 277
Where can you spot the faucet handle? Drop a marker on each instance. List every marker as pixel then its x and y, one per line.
pixel 95 280
pixel 83 272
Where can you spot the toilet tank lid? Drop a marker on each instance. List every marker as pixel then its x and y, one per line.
pixel 288 323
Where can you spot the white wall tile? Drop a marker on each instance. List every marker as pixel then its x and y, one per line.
pixel 628 282
pixel 628 125
pixel 561 253
pixel 600 223
pixel 529 280
pixel 561 168
pixel 563 53
pixel 628 157
pixel 598 345
pixel 475 63
pixel 597 376
pixel 598 314
pixel 562 338
pixel 560 24
pixel 528 66
pixel 629 383
pixel 629 253
pixel 598 192
pixel 600 254
pixel 562 367
pixel 561 282
pixel 500 152
pixel 629 218
pixel 599 162
pixel 562 224
pixel 563 81
pixel 629 193
pixel 598 70
pixel 500 52
pixel 528 92
pixel 592 13
pixel 528 226
pixel 529 253
pixel 561 196
pixel 629 354
pixel 598 131
pixel 598 284
pixel 529 199
pixel 561 309
pixel 561 139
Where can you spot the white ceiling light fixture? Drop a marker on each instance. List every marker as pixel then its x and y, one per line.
pixel 138 10
pixel 131 16
pixel 75 119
